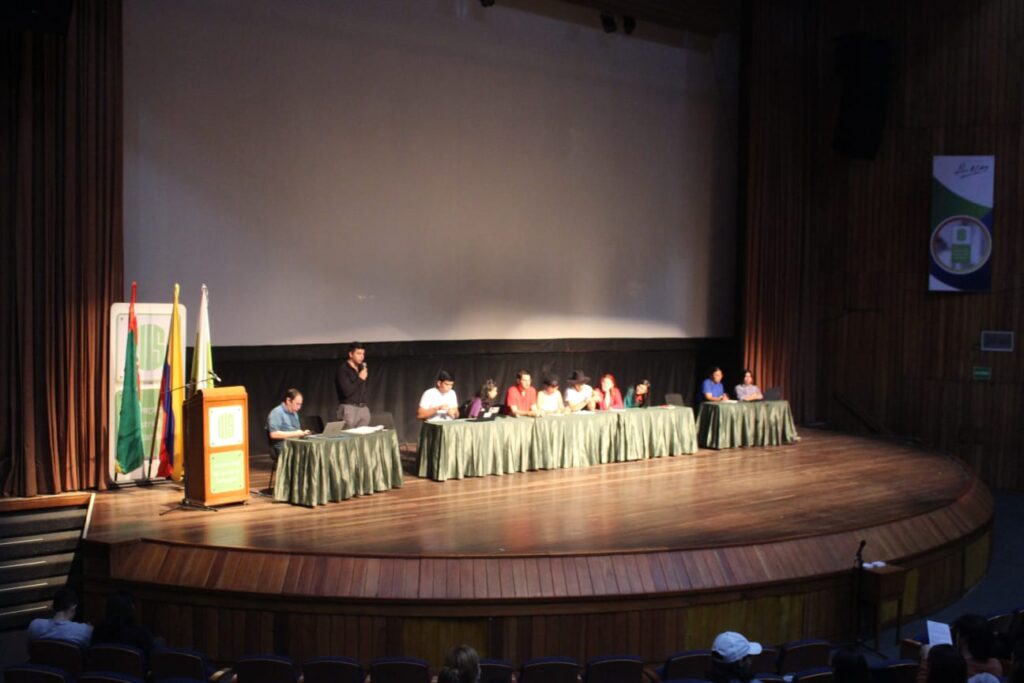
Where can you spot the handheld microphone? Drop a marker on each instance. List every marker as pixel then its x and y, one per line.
pixel 362 366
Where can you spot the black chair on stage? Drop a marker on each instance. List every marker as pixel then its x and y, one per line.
pixel 549 670
pixel 399 670
pixel 384 419
pixel 332 670
pixel 314 423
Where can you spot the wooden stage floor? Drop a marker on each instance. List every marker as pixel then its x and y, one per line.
pixel 650 557
pixel 827 483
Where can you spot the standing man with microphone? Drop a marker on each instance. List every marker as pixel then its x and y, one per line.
pixel 350 383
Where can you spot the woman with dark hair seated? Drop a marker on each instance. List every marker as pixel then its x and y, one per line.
pixel 639 395
pixel 975 640
pixel 119 627
pixel 732 657
pixel 485 403
pixel 464 660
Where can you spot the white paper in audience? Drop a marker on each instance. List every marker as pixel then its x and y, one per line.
pixel 938 633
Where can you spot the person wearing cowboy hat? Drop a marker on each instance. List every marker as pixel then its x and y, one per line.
pixel 579 395
pixel 732 658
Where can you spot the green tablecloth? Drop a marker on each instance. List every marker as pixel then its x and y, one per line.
pixel 317 471
pixel 745 423
pixel 459 448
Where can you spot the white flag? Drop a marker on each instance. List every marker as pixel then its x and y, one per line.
pixel 202 355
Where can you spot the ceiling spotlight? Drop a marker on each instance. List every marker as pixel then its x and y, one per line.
pixel 608 22
pixel 628 24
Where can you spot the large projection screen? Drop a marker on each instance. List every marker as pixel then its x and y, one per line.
pixel 395 170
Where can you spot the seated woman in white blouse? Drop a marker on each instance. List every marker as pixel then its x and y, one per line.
pixel 748 391
pixel 549 399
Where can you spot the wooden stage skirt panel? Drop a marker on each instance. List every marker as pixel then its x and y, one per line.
pixel 647 557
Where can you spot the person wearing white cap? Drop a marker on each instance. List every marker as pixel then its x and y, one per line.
pixel 731 658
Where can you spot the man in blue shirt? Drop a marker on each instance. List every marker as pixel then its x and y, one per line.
pixel 712 389
pixel 283 421
pixel 61 626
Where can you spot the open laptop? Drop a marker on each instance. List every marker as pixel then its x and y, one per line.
pixel 773 394
pixel 331 430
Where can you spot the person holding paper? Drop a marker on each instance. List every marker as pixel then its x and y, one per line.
pixel 748 391
pixel 712 389
pixel 440 401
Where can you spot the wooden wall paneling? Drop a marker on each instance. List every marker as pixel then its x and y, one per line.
pixel 956 90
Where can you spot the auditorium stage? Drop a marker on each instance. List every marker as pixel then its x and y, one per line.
pixel 648 557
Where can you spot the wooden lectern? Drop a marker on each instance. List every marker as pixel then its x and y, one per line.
pixel 217 446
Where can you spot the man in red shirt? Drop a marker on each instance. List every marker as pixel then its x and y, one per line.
pixel 521 398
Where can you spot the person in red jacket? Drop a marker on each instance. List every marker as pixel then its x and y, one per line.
pixel 608 394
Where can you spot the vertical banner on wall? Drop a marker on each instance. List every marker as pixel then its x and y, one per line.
pixel 154 322
pixel 963 189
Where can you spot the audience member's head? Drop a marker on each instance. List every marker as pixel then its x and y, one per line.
pixel 973 636
pixel 488 391
pixel 120 611
pixel 65 603
pixel 849 666
pixel 448 675
pixel 464 660
pixel 946 665
pixel 731 658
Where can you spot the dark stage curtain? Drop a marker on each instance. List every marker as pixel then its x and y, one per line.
pixel 780 323
pixel 63 249
pixel 401 371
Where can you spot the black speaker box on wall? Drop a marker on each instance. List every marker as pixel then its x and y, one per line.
pixel 864 65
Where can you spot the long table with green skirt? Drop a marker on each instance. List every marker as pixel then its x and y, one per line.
pixel 317 471
pixel 464 448
pixel 745 423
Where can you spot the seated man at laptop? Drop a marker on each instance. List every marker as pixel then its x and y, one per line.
pixel 283 422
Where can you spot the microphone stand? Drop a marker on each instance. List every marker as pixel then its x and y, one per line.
pixel 186 502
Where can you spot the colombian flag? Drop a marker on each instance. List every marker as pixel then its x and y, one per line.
pixel 172 392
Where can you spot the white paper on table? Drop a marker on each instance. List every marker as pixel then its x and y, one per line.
pixel 938 634
pixel 364 430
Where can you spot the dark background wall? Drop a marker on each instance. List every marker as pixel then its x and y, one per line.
pixel 836 301
pixel 401 371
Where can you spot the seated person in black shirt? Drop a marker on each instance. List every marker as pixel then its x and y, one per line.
pixel 119 627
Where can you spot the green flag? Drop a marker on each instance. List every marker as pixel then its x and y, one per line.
pixel 129 425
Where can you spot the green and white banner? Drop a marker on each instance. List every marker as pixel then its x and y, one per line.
pixel 963 190
pixel 154 322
